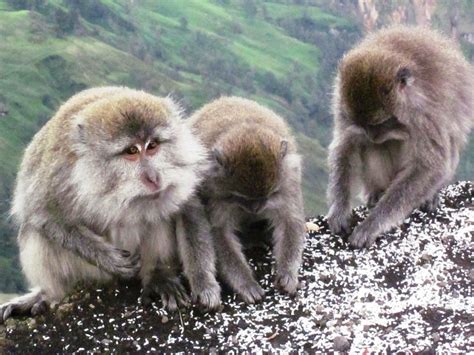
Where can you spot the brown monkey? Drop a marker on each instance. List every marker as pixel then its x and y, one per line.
pixel 99 193
pixel 256 175
pixel 403 109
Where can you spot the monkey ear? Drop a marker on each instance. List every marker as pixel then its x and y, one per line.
pixel 404 77
pixel 78 131
pixel 283 148
pixel 219 157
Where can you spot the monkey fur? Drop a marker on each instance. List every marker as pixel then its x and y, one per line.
pixel 99 194
pixel 256 175
pixel 403 108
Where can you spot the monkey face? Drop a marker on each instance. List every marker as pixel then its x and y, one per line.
pixel 137 150
pixel 372 93
pixel 250 205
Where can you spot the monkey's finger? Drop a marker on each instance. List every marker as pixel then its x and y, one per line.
pixel 123 252
pixel 7 312
pixel 169 302
pixel 39 308
pixel 135 259
pixel 209 298
pixel 287 283
pixel 184 299
pixel 253 293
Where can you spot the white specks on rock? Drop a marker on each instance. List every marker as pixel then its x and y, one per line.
pixel 412 292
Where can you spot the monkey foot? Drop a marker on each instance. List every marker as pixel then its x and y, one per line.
pixel 287 283
pixel 170 290
pixel 32 304
pixel 251 293
pixel 208 296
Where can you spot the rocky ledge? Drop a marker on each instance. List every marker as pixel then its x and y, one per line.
pixel 412 291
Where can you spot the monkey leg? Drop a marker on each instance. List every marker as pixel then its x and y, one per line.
pixel 408 188
pixel 196 249
pixel 51 270
pixel 234 268
pixel 288 245
pixel 160 270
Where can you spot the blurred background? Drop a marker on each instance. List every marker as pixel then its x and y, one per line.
pixel 281 53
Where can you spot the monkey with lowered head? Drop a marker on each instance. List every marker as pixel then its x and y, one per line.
pixel 403 109
pixel 100 193
pixel 256 176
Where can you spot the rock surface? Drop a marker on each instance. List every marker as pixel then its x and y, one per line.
pixel 412 291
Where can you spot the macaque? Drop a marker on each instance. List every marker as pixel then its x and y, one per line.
pixel 255 176
pixel 100 194
pixel 403 109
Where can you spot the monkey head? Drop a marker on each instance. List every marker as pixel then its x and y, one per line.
pixel 248 165
pixel 133 148
pixel 374 86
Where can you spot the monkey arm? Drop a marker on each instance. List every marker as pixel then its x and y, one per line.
pixel 233 267
pixel 409 189
pixel 83 242
pixel 342 153
pixel 196 249
pixel 288 242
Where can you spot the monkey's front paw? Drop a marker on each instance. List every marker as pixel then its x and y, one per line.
pixel 208 296
pixel 360 239
pixel 122 263
pixel 170 290
pixel 287 282
pixel 339 221
pixel 251 292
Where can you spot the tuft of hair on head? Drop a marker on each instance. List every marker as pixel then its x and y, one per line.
pixel 251 159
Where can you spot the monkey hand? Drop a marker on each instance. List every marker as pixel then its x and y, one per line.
pixel 339 220
pixel 169 288
pixel 207 294
pixel 120 262
pixel 287 282
pixel 361 238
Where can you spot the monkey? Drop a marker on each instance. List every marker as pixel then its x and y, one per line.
pixel 403 108
pixel 255 176
pixel 102 192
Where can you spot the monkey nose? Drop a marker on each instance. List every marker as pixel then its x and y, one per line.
pixel 151 181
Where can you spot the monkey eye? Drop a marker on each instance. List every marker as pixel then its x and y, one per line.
pixel 131 150
pixel 153 144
